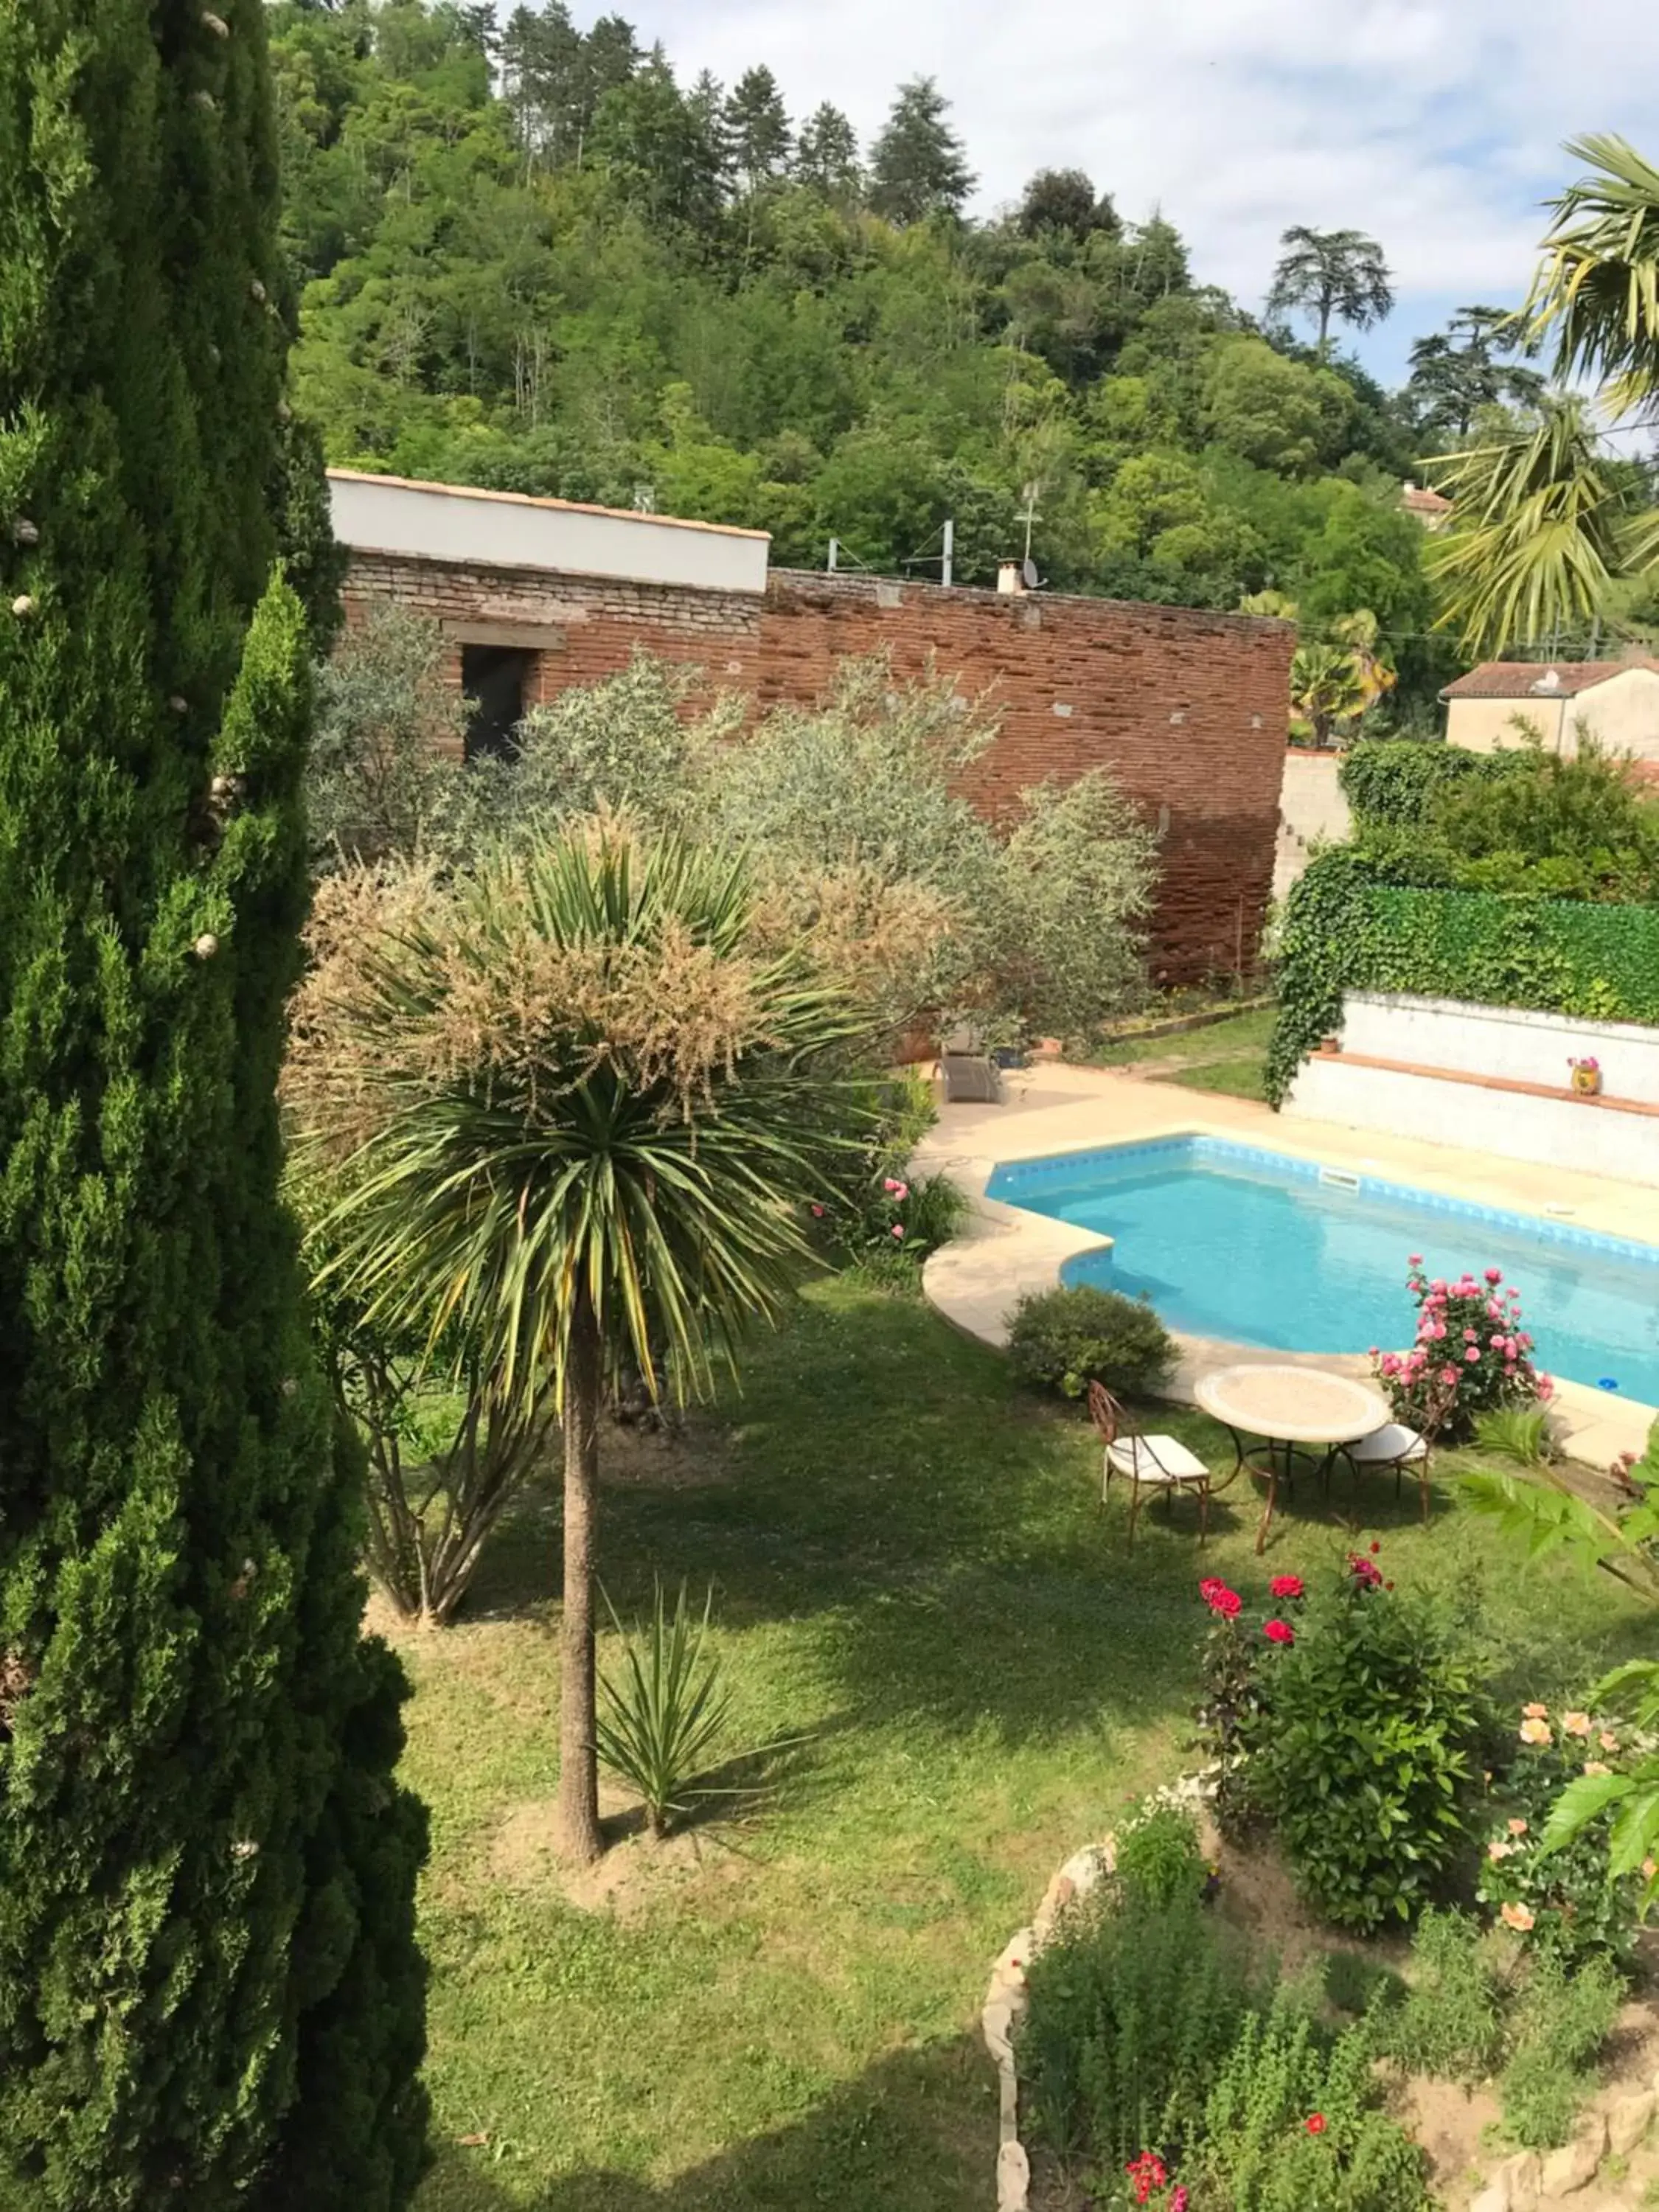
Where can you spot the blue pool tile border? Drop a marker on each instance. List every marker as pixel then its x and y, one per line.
pixel 1009 1177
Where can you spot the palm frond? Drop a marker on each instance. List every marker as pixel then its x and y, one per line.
pixel 1542 530
pixel 1597 292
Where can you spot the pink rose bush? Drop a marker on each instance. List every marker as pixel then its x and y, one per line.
pixel 1471 1355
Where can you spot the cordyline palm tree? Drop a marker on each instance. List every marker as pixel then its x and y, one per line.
pixel 593 1108
pixel 1543 524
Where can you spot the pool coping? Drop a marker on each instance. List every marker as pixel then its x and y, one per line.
pixel 1007 1252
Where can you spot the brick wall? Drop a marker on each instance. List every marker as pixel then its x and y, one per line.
pixel 1187 710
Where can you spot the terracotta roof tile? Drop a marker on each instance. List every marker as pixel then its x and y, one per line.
pixel 1528 679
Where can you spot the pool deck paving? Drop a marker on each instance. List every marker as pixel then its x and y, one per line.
pixel 1005 1252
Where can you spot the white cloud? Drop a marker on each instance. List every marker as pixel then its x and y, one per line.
pixel 1434 125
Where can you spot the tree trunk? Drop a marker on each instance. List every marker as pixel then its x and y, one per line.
pixel 579 1836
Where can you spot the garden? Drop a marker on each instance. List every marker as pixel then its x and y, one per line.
pixel 749 1733
pixel 914 1577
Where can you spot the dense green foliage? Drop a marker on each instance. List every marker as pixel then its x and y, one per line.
pixel 1347 928
pixel 1395 785
pixel 1065 1340
pixel 1566 2013
pixel 1367 1761
pixel 1130 2017
pixel 581 276
pixel 1296 2119
pixel 209 1988
pixel 846 811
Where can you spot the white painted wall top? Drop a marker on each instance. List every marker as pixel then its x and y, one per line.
pixel 460 524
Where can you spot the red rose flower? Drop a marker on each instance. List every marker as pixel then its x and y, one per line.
pixel 1287 1586
pixel 1220 1600
pixel 1278 1631
pixel 1315 2124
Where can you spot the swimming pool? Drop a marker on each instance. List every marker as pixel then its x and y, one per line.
pixel 1230 1241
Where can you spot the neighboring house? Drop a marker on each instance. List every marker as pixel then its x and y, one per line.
pixel 1618 701
pixel 1187 709
pixel 1424 506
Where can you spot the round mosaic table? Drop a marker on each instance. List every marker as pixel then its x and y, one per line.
pixel 1283 1407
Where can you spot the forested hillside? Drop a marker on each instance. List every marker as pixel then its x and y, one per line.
pixel 534 259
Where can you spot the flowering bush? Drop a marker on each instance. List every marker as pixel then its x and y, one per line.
pixel 1235 1701
pixel 1471 1356
pixel 1367 1772
pixel 1561 1897
pixel 876 1219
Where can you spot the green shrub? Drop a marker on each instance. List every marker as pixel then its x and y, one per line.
pixel 1562 1899
pixel 1065 1340
pixel 1130 2016
pixel 1566 2015
pixel 1367 1771
pixel 1294 2122
pixel 1450 2022
pixel 1349 926
pixel 1397 782
pixel 1356 1984
pixel 874 1216
pixel 1158 1858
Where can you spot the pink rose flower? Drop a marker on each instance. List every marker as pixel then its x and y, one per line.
pixel 898 1231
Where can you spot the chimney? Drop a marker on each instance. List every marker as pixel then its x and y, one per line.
pixel 1009 582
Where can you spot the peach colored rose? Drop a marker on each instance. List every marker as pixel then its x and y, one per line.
pixel 1535 1732
pixel 1597 1766
pixel 1499 1851
pixel 1534 1712
pixel 1577 1724
pixel 1608 1742
pixel 1516 1917
pixel 1518 1827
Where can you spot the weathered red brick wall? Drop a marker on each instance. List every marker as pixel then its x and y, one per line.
pixel 581 629
pixel 1187 710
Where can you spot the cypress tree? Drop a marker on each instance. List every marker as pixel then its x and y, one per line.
pixel 209 1988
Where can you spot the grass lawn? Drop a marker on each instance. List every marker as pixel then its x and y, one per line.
pixel 1226 1056
pixel 910 1562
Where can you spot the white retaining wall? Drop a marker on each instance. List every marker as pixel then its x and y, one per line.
pixel 1499 1042
pixel 1502 1040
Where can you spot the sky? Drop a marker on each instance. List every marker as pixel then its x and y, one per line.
pixel 1435 125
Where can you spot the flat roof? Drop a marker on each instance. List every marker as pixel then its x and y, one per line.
pixel 466 526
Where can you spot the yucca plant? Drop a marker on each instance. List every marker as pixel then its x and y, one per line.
pixel 662 1715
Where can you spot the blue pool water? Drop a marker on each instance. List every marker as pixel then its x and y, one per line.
pixel 1232 1241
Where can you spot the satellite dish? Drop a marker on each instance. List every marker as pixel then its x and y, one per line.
pixel 1028 575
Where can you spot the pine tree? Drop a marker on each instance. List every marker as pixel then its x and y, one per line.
pixel 827 156
pixel 758 129
pixel 209 1994
pixel 918 166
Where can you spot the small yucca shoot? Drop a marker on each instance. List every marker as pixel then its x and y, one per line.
pixel 661 1716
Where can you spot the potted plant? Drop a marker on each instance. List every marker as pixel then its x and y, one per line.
pixel 1586 1076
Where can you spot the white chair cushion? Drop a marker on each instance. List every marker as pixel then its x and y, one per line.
pixel 1156 1459
pixel 1388 1446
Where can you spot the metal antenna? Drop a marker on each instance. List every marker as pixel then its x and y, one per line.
pixel 1030 515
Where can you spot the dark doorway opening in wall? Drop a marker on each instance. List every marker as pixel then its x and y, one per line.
pixel 496 679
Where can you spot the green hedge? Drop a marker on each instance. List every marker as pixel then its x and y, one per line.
pixel 1346 930
pixel 1394 782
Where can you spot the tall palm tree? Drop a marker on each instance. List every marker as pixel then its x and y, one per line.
pixel 1544 523
pixel 595 1108
pixel 1542 529
pixel 1331 273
